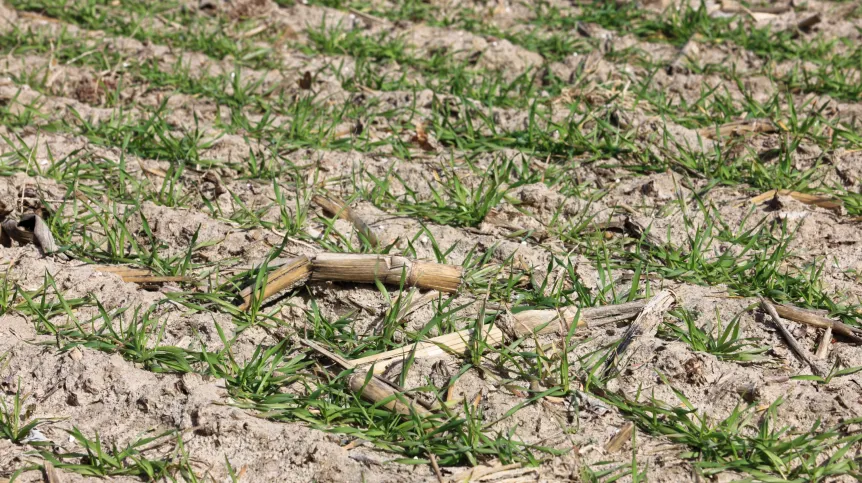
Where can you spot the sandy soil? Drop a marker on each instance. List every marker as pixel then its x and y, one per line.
pixel 99 391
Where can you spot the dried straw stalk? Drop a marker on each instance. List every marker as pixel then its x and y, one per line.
pixel 388 269
pixel 738 128
pixel 137 275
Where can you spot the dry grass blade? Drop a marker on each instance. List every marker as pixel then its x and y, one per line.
pixel 822 201
pixel 393 270
pixel 739 128
pixel 804 317
pixel 290 274
pixel 338 209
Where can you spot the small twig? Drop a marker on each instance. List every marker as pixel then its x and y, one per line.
pixel 797 349
pixel 435 466
pixel 826 202
pixel 808 318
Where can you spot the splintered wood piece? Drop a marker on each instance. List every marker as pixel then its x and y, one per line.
pixel 525 323
pixel 338 209
pixel 801 353
pixel 827 202
pixel 619 439
pixel 643 327
pixel 808 318
pixel 371 387
pixel 737 128
pixel 388 269
pixel 290 274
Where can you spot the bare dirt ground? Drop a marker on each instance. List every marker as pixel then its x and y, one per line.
pixel 563 153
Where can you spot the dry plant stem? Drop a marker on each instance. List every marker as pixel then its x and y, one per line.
pixel 288 275
pixel 137 275
pixel 372 387
pixel 826 202
pixel 388 269
pixel 740 127
pixel 801 353
pixel 338 209
pixel 644 327
pixel 619 439
pixel 525 323
pixel 823 348
pixel 808 318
